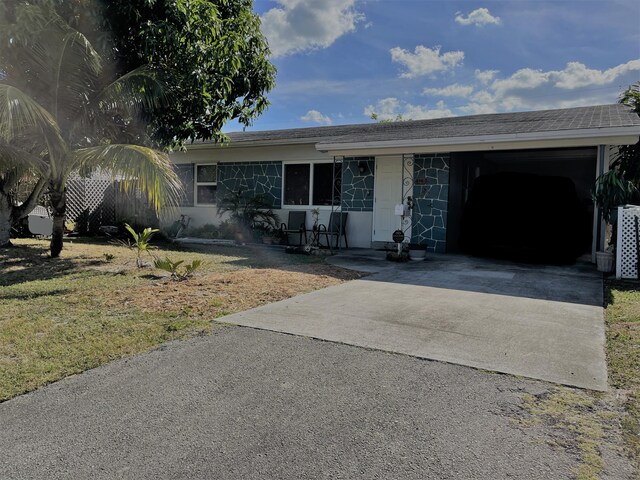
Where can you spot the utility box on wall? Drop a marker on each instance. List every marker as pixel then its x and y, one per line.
pixel 628 243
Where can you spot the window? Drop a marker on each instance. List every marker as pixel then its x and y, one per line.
pixel 312 184
pixel 206 184
pixel 296 184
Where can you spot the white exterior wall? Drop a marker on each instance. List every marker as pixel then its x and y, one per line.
pixel 359 224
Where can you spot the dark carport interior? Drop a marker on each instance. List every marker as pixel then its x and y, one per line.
pixel 527 205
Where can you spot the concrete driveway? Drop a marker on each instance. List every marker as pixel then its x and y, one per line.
pixel 536 321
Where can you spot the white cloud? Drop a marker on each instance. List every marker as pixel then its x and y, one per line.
pixel 315 116
pixel 527 89
pixel 454 90
pixel 485 76
pixel 574 75
pixel 479 17
pixel 577 75
pixel 425 60
pixel 303 25
pixel 391 108
pixel 525 78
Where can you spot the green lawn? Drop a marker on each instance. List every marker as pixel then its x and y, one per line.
pixel 59 317
pixel 623 353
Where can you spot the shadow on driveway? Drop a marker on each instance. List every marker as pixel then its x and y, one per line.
pixel 579 283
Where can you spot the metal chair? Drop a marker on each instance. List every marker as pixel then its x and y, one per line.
pixel 337 228
pixel 297 223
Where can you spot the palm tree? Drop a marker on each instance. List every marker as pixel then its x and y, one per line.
pixel 62 110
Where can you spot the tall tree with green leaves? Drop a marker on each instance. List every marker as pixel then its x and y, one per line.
pixel 213 51
pixel 62 110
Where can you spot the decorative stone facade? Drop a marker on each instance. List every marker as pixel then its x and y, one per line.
pixel 357 188
pixel 251 178
pixel 431 200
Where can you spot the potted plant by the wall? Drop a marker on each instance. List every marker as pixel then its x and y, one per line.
pixel 267 236
pixel 611 191
pixel 417 252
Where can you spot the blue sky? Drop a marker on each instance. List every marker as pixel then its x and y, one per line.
pixel 340 60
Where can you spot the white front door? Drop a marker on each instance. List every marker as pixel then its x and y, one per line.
pixel 387 194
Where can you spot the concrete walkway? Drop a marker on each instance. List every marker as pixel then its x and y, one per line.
pixel 535 321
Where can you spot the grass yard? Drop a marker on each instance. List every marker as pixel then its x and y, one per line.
pixel 59 317
pixel 623 354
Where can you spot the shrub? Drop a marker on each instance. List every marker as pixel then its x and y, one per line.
pixel 252 215
pixel 208 230
pixel 141 242
pixel 173 267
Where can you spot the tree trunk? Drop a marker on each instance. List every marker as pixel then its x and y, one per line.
pixel 59 206
pixel 21 211
pixel 5 220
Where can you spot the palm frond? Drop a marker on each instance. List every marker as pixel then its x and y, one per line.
pixel 54 63
pixel 142 89
pixel 22 160
pixel 19 113
pixel 139 167
pixel 75 72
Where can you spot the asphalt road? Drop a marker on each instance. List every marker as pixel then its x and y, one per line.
pixel 251 404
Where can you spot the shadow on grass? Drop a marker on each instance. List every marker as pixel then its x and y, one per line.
pixel 27 263
pixel 20 264
pixel 621 286
pixel 33 295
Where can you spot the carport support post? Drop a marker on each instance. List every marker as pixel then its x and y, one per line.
pixel 336 190
pixel 599 226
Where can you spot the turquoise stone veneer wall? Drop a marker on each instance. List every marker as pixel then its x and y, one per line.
pixel 431 200
pixel 251 178
pixel 357 188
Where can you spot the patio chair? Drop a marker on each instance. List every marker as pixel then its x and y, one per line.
pixel 297 223
pixel 337 228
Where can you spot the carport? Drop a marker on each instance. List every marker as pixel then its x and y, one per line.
pixel 530 205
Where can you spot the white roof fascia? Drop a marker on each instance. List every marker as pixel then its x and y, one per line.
pixel 558 138
pixel 249 143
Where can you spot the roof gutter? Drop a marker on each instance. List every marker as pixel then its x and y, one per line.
pixel 252 143
pixel 557 138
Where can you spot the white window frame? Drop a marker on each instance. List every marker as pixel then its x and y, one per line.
pixel 196 184
pixel 286 206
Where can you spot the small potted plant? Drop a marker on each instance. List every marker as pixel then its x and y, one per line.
pixel 265 234
pixel 417 252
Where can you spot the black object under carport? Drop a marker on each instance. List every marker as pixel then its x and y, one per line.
pixel 525 217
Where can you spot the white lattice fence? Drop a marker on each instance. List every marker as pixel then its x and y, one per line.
pixel 90 202
pixel 627 244
pixel 76 200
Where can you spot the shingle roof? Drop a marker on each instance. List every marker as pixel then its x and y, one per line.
pixel 599 116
